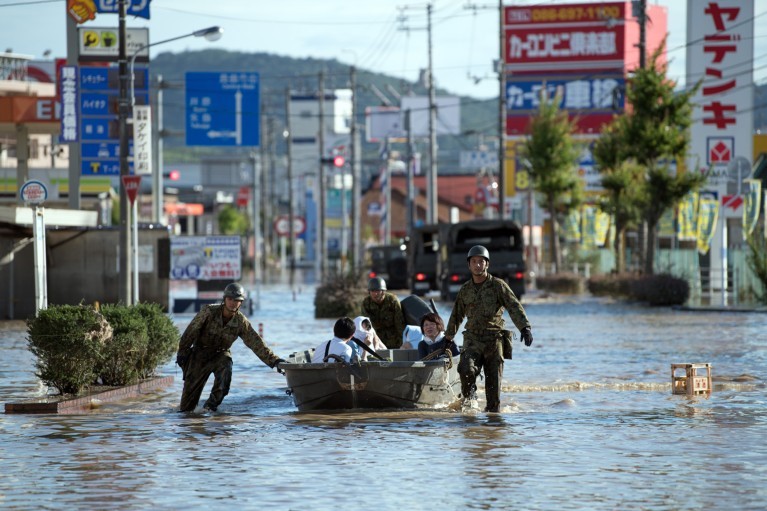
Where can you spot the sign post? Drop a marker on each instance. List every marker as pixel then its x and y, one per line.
pixel 35 192
pixel 132 184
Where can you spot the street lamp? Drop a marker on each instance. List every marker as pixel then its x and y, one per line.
pixel 211 34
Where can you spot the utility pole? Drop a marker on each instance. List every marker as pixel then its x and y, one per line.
pixel 124 287
pixel 433 213
pixel 322 252
pixel 502 116
pixel 291 232
pixel 409 173
pixel 501 73
pixel 642 15
pixel 355 157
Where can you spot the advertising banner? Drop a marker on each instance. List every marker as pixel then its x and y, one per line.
pixel 205 258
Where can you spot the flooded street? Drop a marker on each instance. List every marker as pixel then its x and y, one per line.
pixel 588 423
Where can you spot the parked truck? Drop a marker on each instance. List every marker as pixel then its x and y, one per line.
pixel 424 257
pixel 502 238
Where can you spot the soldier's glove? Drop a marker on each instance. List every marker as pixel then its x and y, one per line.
pixel 276 365
pixel 527 336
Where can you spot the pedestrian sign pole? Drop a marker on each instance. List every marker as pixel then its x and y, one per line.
pixel 35 192
pixel 132 183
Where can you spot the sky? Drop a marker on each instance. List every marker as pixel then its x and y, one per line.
pixel 377 35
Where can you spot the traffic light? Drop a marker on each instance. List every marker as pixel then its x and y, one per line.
pixel 173 175
pixel 337 161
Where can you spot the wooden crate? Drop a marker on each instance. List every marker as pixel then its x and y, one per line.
pixel 695 381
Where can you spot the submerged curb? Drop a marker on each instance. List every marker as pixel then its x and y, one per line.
pixel 87 400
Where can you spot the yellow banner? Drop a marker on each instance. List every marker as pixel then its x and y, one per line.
pixel 708 213
pixel 751 197
pixel 686 215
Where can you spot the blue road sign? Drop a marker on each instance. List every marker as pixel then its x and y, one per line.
pixel 99 124
pixel 222 109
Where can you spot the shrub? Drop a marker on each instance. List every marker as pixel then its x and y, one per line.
pixel 662 289
pixel 338 297
pixel 163 338
pixel 564 283
pixel 123 354
pixel 67 341
pixel 614 285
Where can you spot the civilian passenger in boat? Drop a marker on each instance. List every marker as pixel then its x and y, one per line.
pixel 339 346
pixel 434 337
pixel 366 334
pixel 411 336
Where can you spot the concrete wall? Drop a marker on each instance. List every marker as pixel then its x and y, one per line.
pixel 82 266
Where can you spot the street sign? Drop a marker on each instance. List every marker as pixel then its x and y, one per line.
pixel 282 225
pixel 99 125
pixel 243 195
pixel 132 185
pixel 33 192
pixel 222 109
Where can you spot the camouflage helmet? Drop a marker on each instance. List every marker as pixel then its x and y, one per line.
pixel 478 250
pixel 235 291
pixel 376 284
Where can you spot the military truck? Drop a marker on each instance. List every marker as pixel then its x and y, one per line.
pixel 502 238
pixel 423 258
pixel 388 262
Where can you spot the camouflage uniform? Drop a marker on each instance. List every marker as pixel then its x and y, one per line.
pixel 207 341
pixel 483 305
pixel 387 319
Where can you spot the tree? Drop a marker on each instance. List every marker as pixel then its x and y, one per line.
pixel 656 133
pixel 622 181
pixel 231 221
pixel 552 157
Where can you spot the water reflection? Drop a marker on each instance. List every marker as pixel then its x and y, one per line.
pixel 588 422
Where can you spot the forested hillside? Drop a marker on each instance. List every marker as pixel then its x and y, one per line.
pixel 278 73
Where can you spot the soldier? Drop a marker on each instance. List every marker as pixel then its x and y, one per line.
pixel 204 349
pixel 482 300
pixel 385 312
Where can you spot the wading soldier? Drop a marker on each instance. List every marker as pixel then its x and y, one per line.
pixel 482 301
pixel 204 349
pixel 385 313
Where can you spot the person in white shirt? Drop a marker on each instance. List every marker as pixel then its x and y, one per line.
pixel 411 336
pixel 366 333
pixel 343 330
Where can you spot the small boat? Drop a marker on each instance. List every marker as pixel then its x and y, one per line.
pixel 403 382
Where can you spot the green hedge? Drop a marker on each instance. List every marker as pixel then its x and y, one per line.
pixel 659 290
pixel 564 283
pixel 77 346
pixel 338 297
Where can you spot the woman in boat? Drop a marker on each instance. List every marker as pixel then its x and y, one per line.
pixel 411 337
pixel 339 345
pixel 385 313
pixel 434 337
pixel 366 334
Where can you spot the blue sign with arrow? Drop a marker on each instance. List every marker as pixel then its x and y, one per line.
pixel 222 109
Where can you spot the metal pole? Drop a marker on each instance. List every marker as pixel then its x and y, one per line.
pixel 354 156
pixel 256 224
pixel 433 213
pixel 75 158
pixel 291 232
pixel 157 178
pixel 501 116
pixel 134 249
pixel 409 173
pixel 124 287
pixel 322 244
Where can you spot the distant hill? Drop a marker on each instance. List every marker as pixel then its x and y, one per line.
pixel 277 73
